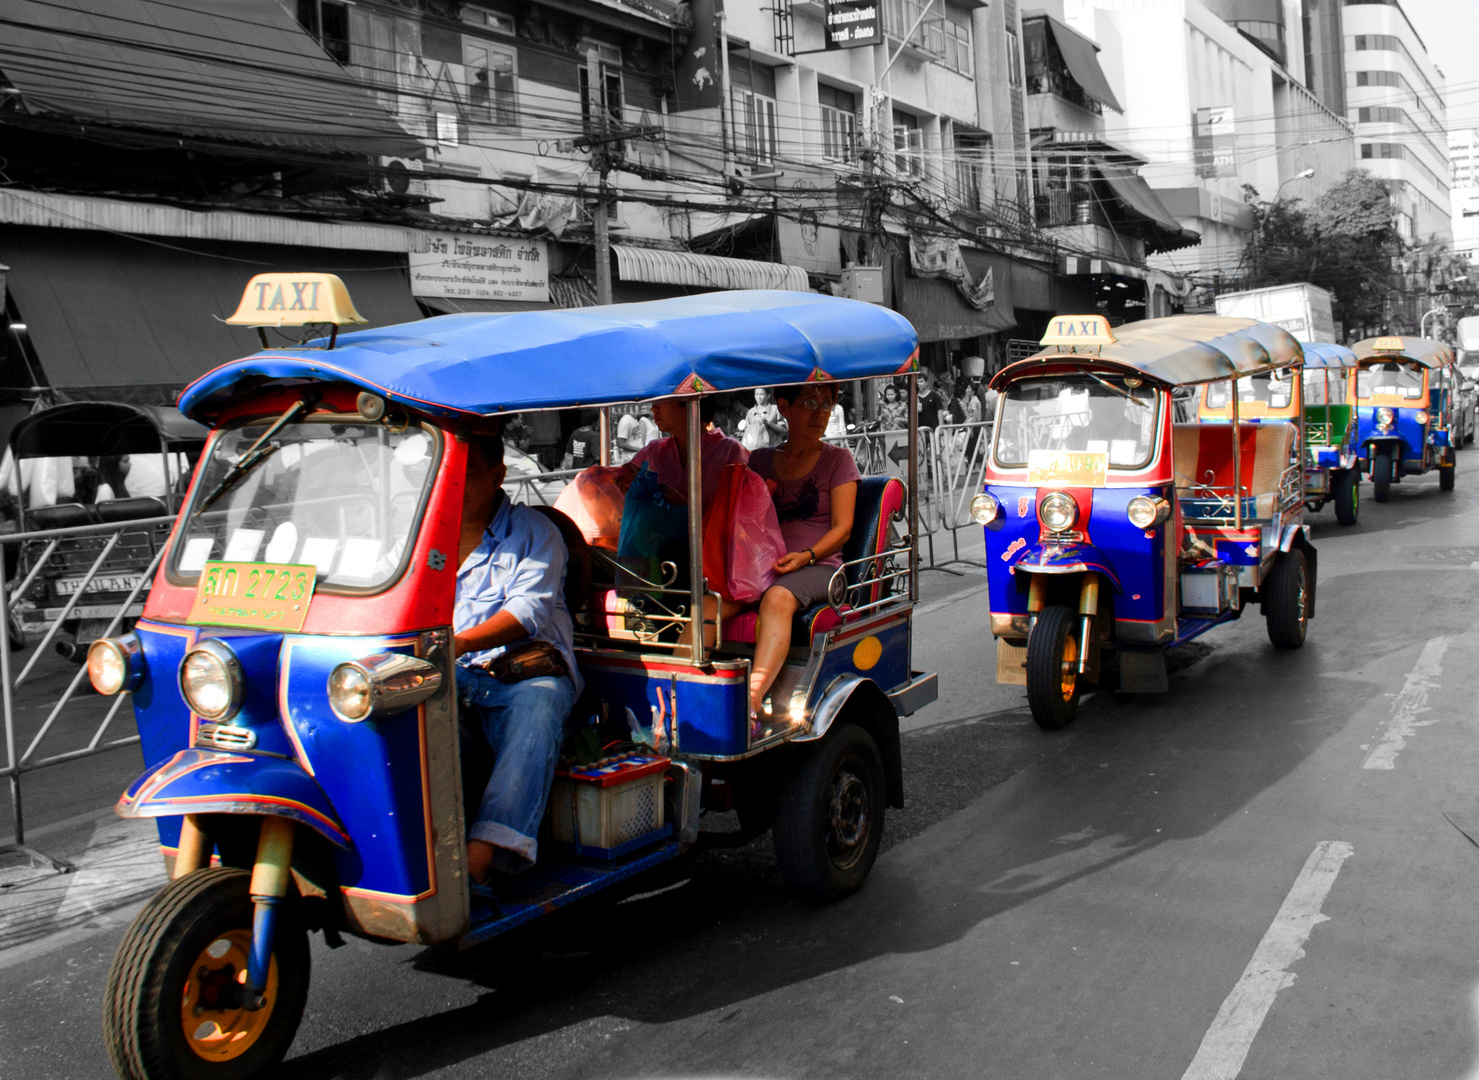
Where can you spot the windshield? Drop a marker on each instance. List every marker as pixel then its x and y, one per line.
pixel 1324 386
pixel 344 497
pixel 1393 378
pixel 1077 413
pixel 1273 388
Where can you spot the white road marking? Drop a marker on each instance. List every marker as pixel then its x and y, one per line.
pixel 1410 703
pixel 1227 1042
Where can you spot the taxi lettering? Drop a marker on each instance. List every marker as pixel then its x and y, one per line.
pixel 279 302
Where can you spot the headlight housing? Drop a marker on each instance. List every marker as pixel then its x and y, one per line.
pixel 1385 418
pixel 211 681
pixel 1145 511
pixel 985 508
pixel 115 664
pixel 1420 416
pixel 381 685
pixel 1057 511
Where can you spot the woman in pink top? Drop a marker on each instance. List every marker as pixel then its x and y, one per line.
pixel 816 493
pixel 669 457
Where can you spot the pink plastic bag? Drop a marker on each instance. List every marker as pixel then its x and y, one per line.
pixel 755 542
pixel 594 500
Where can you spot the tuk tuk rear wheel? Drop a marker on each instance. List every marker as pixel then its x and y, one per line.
pixel 1445 477
pixel 1345 492
pixel 830 821
pixel 1381 477
pixel 1286 599
pixel 1052 668
pixel 168 1009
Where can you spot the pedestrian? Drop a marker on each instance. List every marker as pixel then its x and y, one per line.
pixel 764 426
pixel 584 447
pixel 630 434
pixel 892 409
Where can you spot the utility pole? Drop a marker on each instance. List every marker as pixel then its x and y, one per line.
pixel 601 159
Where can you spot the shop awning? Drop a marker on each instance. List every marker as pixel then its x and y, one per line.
pixel 242 72
pixel 1084 264
pixel 706 271
pixel 938 313
pixel 1141 201
pixel 1081 56
pixel 129 319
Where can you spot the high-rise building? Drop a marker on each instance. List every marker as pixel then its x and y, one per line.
pixel 1395 98
pixel 1463 158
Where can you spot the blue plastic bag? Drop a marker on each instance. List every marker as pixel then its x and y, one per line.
pixel 653 529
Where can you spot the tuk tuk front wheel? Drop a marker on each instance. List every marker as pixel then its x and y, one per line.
pixel 1445 477
pixel 1052 668
pixel 171 1009
pixel 1381 477
pixel 830 820
pixel 1286 600
pixel 1345 492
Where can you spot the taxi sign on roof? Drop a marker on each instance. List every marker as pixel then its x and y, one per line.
pixel 1066 331
pixel 295 300
pixel 1387 344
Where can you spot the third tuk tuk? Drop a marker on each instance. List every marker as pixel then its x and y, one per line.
pixel 1405 391
pixel 293 677
pixel 1114 533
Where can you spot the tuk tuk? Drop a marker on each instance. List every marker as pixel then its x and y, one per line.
pixel 1331 474
pixel 293 675
pixel 1405 392
pixel 1114 532
pixel 138 460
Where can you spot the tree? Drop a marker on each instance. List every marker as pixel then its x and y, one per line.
pixel 1346 242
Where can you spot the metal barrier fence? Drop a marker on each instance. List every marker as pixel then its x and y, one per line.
pixel 960 452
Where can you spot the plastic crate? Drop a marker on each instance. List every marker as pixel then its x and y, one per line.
pixel 611 808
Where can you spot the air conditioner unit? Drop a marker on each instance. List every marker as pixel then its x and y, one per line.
pixel 400 176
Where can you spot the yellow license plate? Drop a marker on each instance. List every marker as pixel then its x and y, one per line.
pixel 1067 468
pixel 253 596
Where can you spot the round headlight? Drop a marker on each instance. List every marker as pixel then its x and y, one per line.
pixel 350 692
pixel 1142 511
pixel 1420 416
pixel 210 680
pixel 985 508
pixel 1057 511
pixel 107 666
pixel 1385 417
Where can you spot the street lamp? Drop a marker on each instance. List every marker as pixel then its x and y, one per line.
pixel 1280 190
pixel 1423 322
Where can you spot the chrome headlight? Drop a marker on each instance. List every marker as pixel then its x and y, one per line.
pixel 985 509
pixel 1145 511
pixel 1385 418
pixel 381 685
pixel 1420 416
pixel 211 680
pixel 115 664
pixel 1057 511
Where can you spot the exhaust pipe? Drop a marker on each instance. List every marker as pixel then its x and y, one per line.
pixel 71 650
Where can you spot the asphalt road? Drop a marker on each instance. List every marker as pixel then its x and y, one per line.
pixel 1261 873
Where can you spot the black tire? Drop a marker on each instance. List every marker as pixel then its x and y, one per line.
pixel 830 820
pixel 161 966
pixel 1052 691
pixel 1445 477
pixel 1381 477
pixel 1285 600
pixel 1345 493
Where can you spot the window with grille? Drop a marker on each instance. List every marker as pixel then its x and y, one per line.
pixel 607 111
pixel 1014 61
pixel 949 37
pixel 972 157
pixel 908 145
pixel 328 22
pixel 492 92
pixel 839 123
pixel 755 125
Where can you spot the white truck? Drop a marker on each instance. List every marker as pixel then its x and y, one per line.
pixel 1302 309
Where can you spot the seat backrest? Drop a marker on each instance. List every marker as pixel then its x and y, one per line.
pixel 1186 442
pixel 60 516
pixel 1208 451
pixel 880 500
pixel 1274 444
pixel 578 566
pixel 146 506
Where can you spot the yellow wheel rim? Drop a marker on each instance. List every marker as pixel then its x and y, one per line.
pixel 1070 667
pixel 214 1029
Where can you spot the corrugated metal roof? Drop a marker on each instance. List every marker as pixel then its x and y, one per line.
pixel 706 271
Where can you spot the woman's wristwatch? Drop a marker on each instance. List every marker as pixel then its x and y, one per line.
pixel 813 555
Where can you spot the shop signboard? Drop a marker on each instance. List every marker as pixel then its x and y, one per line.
pixel 460 266
pixel 853 23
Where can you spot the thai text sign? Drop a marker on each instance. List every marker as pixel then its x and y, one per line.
pixel 851 23
pixel 459 266
pixel 256 596
pixel 1066 468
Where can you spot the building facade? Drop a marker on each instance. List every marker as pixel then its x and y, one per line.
pixel 1463 160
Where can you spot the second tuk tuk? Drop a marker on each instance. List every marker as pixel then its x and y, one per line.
pixel 1405 391
pixel 293 676
pixel 1114 533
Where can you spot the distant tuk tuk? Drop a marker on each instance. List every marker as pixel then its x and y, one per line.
pixel 135 462
pixel 1114 532
pixel 1405 390
pixel 1331 470
pixel 293 672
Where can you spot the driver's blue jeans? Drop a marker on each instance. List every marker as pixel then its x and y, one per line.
pixel 524 723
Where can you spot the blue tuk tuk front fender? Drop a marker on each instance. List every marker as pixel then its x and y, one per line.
pixel 200 781
pixel 1070 558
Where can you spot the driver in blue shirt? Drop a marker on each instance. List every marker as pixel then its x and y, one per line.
pixel 510 593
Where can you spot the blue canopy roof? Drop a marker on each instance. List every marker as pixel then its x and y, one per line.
pixel 1319 354
pixel 483 364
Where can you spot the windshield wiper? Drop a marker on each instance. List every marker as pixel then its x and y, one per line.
pixel 254 456
pixel 1118 390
